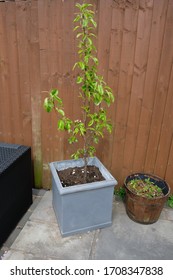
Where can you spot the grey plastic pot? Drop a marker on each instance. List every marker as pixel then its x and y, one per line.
pixel 84 207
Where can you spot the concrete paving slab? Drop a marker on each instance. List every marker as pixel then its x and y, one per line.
pixel 127 240
pixel 43 240
pixel 124 240
pixel 20 255
pixel 44 211
pixel 168 214
pixel 37 196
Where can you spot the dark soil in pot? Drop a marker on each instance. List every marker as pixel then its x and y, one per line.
pixel 76 176
pixel 144 188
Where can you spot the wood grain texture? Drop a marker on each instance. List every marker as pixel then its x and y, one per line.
pixel 135 51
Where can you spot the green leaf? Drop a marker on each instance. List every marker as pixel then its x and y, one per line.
pixel 109 127
pixel 81 65
pixel 76 64
pixel 86 59
pixel 77 18
pixel 75 156
pixel 76 130
pixel 78 153
pixel 102 116
pixel 61 112
pixel 86 5
pixel 97 99
pixel 100 89
pixel 86 108
pixel 79 80
pixel 80 51
pixel 90 122
pixel 95 60
pixel 82 129
pixel 93 22
pixel 84 23
pixel 72 139
pixel 67 125
pixel 96 139
pixel 48 105
pixel 76 27
pixel 91 151
pixel 61 124
pixel 170 201
pixel 92 34
pixel 54 92
pixel 58 99
pixel 109 95
pixel 78 35
pixel 78 5
pixel 89 41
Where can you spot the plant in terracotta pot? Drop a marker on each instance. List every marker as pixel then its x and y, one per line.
pixel 83 187
pixel 145 197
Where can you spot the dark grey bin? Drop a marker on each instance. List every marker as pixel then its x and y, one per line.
pixel 16 183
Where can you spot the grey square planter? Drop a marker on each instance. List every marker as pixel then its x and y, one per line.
pixel 84 207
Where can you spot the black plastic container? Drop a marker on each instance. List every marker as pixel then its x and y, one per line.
pixel 16 183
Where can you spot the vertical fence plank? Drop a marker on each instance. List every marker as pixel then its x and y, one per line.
pixel 45 85
pixel 164 145
pixel 161 92
pixel 13 66
pixel 2 62
pixel 104 35
pixel 67 65
pixel 36 105
pixel 113 78
pixel 168 176
pixel 165 141
pixel 137 91
pixel 104 53
pixel 124 86
pixel 5 101
pixel 23 31
pixel 155 48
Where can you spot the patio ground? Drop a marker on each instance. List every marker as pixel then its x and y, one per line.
pixel 37 236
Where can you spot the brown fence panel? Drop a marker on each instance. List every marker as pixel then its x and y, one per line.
pixel 135 50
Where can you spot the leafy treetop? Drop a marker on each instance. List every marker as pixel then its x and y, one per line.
pixel 93 91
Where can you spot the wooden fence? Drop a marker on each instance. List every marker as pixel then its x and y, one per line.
pixel 135 49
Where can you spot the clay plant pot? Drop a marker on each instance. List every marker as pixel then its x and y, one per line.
pixel 142 209
pixel 84 207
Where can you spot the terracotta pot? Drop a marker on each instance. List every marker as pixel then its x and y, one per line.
pixel 141 209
